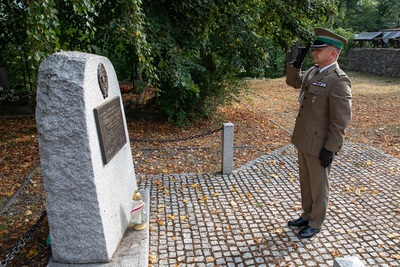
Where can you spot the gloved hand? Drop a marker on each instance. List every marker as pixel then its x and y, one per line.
pixel 300 56
pixel 326 157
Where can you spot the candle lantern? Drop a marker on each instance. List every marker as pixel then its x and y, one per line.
pixel 138 212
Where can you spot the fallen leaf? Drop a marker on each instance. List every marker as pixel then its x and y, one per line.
pixel 152 258
pixel 278 231
pixel 395 256
pixel 260 205
pixel 392 235
pixel 297 207
pixel 159 221
pixel 171 217
pixel 275 176
pixel 32 252
pixel 210 259
pixel 383 256
pixel 369 163
pixel 203 198
pixel 336 253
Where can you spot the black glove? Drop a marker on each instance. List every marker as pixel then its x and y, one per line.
pixel 302 52
pixel 326 157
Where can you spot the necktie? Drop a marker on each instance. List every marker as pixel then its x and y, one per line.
pixel 311 74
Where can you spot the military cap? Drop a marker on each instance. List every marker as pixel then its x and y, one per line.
pixel 327 38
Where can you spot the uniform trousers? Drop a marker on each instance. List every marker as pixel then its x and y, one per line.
pixel 314 186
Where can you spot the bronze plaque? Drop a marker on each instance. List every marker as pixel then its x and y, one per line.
pixel 110 127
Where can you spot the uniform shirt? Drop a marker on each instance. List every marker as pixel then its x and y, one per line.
pixel 325 108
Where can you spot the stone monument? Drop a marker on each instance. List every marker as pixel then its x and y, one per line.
pixel 85 156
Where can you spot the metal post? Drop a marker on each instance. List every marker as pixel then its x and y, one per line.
pixel 227 148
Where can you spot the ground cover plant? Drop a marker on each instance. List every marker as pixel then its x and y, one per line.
pixel 263 117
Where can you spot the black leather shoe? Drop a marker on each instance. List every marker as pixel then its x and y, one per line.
pixel 298 223
pixel 308 232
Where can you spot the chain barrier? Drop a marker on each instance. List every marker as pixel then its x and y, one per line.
pixel 176 139
pixel 22 241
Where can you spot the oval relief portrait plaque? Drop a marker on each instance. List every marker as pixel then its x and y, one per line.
pixel 103 80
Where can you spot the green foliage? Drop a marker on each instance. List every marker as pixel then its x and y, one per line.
pixel 38 28
pixel 202 48
pixel 194 53
pixel 368 15
pixel 28 35
pixel 389 13
pixel 41 25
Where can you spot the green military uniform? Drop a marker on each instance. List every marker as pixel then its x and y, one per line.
pixel 324 114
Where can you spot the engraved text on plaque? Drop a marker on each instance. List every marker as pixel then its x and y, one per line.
pixel 110 127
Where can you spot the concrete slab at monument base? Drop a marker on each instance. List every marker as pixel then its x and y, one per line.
pixel 348 261
pixel 133 251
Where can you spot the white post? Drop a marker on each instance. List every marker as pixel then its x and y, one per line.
pixel 227 148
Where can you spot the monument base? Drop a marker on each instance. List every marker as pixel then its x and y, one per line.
pixel 132 251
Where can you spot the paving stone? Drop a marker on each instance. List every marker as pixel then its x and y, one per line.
pixel 241 219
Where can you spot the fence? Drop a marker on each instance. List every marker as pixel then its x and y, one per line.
pixel 227 144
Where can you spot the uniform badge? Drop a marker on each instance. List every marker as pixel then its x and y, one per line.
pixel 320 84
pixel 314 99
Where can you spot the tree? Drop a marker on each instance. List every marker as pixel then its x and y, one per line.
pixel 35 29
pixel 193 52
pixel 28 34
pixel 389 13
pixel 368 15
pixel 201 48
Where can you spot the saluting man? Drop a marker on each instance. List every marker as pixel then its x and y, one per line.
pixel 324 115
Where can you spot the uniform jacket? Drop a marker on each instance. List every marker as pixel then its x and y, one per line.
pixel 325 108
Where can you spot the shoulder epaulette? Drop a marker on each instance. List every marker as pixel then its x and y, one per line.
pixel 339 72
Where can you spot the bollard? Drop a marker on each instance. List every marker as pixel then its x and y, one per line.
pixel 227 148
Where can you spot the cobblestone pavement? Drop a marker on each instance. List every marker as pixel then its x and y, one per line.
pixel 241 219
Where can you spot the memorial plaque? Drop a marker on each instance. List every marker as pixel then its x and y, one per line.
pixel 110 127
pixel 103 80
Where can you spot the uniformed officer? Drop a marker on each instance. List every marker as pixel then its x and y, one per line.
pixel 324 115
